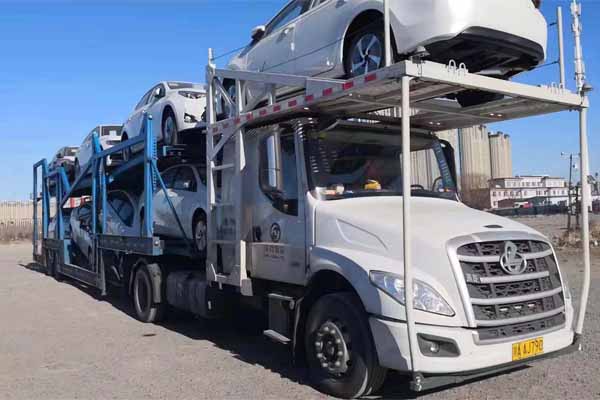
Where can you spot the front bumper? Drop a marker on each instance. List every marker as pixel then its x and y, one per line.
pixel 484 35
pixel 391 341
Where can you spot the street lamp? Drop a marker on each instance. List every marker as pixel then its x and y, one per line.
pixel 572 166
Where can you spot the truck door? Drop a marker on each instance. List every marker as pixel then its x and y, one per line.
pixel 278 248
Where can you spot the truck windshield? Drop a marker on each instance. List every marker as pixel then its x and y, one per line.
pixel 346 162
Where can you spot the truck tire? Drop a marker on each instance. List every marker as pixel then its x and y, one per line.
pixel 147 308
pixel 340 353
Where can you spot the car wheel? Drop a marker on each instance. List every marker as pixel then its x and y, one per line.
pixel 126 152
pixel 200 238
pixel 169 128
pixel 77 169
pixel 340 352
pixel 366 52
pixel 146 307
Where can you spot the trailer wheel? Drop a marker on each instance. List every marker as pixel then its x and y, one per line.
pixel 55 272
pixel 147 309
pixel 49 263
pixel 340 352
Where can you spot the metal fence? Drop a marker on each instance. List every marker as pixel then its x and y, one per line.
pixel 530 211
pixel 16 220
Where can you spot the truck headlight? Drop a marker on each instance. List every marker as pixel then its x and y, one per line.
pixel 425 297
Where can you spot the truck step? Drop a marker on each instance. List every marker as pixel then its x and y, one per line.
pixel 271 334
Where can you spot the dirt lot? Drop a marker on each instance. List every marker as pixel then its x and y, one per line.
pixel 59 341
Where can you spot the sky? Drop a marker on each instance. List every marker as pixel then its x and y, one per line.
pixel 67 66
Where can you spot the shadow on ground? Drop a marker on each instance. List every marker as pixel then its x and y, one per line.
pixel 242 337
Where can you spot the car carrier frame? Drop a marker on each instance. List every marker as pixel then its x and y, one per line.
pixel 418 88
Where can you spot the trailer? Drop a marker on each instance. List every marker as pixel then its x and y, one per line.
pixel 314 218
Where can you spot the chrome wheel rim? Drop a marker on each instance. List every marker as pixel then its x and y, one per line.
pixel 200 236
pixel 367 55
pixel 332 348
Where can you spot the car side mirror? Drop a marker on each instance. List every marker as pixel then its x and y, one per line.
pixel 158 93
pixel 273 182
pixel 258 32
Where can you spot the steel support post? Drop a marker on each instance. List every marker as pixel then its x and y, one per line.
pixel 561 47
pixel 585 226
pixel 210 163
pixel 387 33
pixel 148 181
pixel 406 220
pixel 35 210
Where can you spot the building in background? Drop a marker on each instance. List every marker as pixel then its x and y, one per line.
pixel 532 190
pixel 475 164
pixel 500 155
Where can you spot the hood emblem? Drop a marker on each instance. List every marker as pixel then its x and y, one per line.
pixel 511 261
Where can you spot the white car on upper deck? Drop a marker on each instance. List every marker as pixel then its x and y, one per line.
pixel 176 107
pixel 108 136
pixel 344 38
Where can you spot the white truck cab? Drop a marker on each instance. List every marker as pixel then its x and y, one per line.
pixel 323 214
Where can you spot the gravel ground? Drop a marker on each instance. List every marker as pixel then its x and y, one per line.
pixel 59 341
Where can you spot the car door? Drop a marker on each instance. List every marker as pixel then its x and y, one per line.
pixel 274 52
pixel 279 243
pixel 318 31
pixel 185 188
pixel 162 211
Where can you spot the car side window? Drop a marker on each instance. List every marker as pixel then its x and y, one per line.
pixel 291 12
pixel 144 100
pixel 185 180
pixel 287 202
pixel 169 177
pixel 318 3
pixel 122 207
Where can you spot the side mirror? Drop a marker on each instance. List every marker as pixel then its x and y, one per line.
pixel 158 92
pixel 258 32
pixel 272 178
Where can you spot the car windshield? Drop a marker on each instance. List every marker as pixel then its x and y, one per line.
pixel 360 161
pixel 113 130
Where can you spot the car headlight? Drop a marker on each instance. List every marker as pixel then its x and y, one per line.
pixel 191 95
pixel 425 297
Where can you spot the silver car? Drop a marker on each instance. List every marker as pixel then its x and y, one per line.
pixel 344 38
pixel 65 157
pixel 186 189
pixel 122 219
pixel 176 107
pixel 108 136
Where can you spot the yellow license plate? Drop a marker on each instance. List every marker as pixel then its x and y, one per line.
pixel 527 348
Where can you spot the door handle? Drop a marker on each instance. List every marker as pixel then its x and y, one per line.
pixel 288 30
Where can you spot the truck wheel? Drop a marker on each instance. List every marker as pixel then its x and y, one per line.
pixel 146 308
pixel 341 356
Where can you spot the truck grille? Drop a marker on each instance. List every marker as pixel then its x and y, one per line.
pixel 506 305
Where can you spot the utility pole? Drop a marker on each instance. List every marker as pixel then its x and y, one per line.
pixel 571 158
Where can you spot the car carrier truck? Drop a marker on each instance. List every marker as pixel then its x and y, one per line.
pixel 315 218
